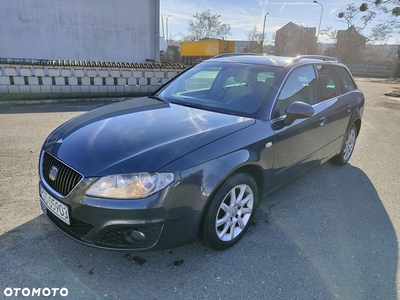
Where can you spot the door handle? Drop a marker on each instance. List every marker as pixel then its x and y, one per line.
pixel 322 121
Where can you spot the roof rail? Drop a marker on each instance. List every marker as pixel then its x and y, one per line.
pixel 234 54
pixel 320 57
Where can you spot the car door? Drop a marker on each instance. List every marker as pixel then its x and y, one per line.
pixel 298 146
pixel 339 102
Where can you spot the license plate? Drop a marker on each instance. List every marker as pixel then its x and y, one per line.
pixel 59 209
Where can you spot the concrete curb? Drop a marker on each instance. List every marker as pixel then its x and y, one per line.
pixel 392 94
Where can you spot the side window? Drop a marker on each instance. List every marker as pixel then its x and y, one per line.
pixel 345 78
pixel 329 82
pixel 299 86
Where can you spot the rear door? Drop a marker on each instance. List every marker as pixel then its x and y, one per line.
pixel 337 91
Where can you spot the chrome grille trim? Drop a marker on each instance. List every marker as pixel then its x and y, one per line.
pixel 67 178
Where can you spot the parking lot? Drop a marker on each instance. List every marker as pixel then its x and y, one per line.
pixel 330 234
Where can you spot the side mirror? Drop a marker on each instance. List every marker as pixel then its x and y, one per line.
pixel 297 110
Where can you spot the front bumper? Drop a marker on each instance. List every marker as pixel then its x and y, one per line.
pixel 141 225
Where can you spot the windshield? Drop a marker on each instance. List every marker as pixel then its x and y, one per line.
pixel 226 87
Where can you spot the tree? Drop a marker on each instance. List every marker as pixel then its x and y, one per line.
pixel 292 40
pixel 350 43
pixel 281 40
pixel 307 42
pixel 207 26
pixel 257 37
pixel 397 71
pixel 386 6
pixel 254 35
pixel 379 33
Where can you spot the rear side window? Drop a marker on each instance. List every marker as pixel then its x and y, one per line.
pixel 329 82
pixel 345 78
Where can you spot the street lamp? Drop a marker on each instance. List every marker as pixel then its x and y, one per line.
pixel 320 18
pixel 263 35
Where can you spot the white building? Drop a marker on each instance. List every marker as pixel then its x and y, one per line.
pixel 94 30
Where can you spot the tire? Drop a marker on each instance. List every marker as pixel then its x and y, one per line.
pixel 348 147
pixel 230 212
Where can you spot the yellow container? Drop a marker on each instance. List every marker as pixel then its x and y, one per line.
pixel 207 48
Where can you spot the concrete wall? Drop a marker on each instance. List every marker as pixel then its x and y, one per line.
pixel 372 68
pixel 104 30
pixel 55 81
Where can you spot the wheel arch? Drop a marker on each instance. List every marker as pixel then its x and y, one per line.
pixel 357 122
pixel 252 170
pixel 256 173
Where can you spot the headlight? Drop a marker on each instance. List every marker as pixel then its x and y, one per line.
pixel 130 186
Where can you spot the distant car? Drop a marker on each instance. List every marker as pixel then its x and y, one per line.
pixel 195 158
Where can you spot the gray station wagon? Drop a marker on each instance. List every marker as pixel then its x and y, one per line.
pixel 194 159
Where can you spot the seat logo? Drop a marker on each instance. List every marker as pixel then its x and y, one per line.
pixel 53 173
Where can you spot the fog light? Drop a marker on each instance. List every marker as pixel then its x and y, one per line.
pixel 137 235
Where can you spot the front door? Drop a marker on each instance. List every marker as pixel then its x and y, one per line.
pixel 298 146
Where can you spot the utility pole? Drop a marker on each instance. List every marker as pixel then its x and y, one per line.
pixel 162 26
pixel 263 34
pixel 167 28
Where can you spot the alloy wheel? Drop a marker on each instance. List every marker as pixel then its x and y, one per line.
pixel 234 212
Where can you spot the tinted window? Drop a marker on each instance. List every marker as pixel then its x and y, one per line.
pixel 299 86
pixel 345 78
pixel 329 82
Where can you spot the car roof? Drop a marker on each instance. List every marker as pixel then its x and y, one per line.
pixel 272 60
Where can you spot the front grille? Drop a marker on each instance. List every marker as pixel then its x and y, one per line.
pixel 76 229
pixel 118 236
pixel 66 179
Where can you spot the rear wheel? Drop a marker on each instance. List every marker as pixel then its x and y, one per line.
pixel 230 212
pixel 348 147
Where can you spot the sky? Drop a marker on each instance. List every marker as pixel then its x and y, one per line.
pixel 242 15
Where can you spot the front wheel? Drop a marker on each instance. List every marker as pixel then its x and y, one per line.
pixel 230 212
pixel 348 147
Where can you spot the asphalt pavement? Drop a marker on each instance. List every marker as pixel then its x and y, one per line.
pixel 332 233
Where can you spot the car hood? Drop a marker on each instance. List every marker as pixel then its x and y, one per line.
pixel 137 135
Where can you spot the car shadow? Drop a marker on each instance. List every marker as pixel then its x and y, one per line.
pixel 325 235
